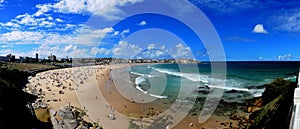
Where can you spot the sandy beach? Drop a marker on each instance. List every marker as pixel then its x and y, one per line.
pixel 111 102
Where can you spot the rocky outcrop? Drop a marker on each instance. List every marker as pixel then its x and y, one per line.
pixel 69 118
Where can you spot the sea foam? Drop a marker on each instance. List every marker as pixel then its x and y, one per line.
pixel 138 81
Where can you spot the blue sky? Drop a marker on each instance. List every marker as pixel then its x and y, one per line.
pixel 248 30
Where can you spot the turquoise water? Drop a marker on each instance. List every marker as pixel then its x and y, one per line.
pixel 244 80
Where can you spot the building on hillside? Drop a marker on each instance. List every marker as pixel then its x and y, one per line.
pixel 22 59
pixel 3 59
pixel 52 58
pixel 36 57
pixel 11 58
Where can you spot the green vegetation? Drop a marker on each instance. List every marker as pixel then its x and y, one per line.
pixel 274 89
pixel 25 66
pixel 277 99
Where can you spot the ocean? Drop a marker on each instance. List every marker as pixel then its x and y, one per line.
pixel 244 80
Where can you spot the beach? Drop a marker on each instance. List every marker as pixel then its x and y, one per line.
pixel 114 102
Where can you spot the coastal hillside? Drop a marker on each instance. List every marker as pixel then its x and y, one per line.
pixel 15 106
pixel 277 100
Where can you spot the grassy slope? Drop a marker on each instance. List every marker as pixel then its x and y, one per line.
pixel 25 66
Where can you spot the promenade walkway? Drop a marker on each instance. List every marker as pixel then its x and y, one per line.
pixel 295 120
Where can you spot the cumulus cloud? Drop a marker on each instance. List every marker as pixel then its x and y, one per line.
pixel 125 50
pixel 10 24
pixel 26 19
pixel 42 10
pixel 92 37
pixel 104 51
pixel 106 8
pixel 152 54
pixel 124 32
pixel 181 51
pixel 151 46
pixel 285 57
pixel 34 37
pixel 31 20
pixel 45 50
pixel 142 23
pixel 116 33
pixel 259 28
pixel 68 48
pixel 58 20
pixel 21 37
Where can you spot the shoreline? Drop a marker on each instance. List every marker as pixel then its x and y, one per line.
pixel 96 88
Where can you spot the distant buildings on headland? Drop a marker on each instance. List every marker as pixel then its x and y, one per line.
pixel 103 61
pixel 26 59
pixel 90 61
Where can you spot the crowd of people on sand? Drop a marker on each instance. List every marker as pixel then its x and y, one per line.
pixel 54 88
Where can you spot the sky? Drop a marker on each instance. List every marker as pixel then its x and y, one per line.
pixel 233 30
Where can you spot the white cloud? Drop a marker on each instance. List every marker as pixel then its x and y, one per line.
pixel 45 50
pixel 285 57
pixel 35 37
pixel 96 50
pixel 106 8
pixel 50 18
pixel 152 53
pixel 10 24
pixel 4 52
pixel 142 23
pixel 162 47
pixel 56 38
pixel 287 20
pixel 46 24
pixel 26 19
pixel 151 46
pixel 81 53
pixel 116 33
pixel 21 37
pixel 32 20
pixel 42 10
pixel 125 50
pixel 124 32
pixel 69 48
pixel 58 20
pixel 70 25
pixel 181 51
pixel 259 28
pixel 92 37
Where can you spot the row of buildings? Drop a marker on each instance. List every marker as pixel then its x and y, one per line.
pixel 36 59
pixel 122 61
pixel 90 61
